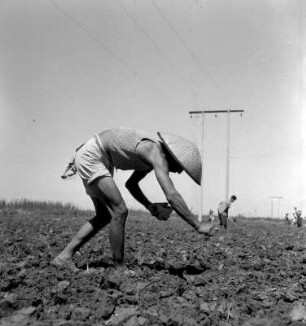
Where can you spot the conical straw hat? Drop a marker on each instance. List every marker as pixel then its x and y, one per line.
pixel 185 153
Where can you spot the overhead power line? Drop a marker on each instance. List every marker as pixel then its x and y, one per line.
pixel 158 49
pixel 187 47
pixel 105 47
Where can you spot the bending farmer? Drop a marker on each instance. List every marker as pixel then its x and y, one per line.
pixel 129 149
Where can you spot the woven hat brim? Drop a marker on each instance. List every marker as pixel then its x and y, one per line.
pixel 177 160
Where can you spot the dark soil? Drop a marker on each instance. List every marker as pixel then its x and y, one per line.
pixel 252 275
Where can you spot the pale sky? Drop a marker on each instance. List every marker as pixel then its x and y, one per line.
pixel 70 69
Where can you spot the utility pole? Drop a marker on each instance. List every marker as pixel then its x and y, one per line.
pixel 278 198
pixel 216 112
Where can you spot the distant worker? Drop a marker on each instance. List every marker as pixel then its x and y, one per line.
pixel 298 220
pixel 296 216
pixel 211 216
pixel 129 149
pixel 223 208
pixel 287 220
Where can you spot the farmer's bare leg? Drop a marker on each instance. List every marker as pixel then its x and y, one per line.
pixel 119 212
pixel 87 231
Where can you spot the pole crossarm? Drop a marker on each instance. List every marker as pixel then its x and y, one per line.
pixel 215 111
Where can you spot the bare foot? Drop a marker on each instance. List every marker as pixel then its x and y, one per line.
pixel 65 263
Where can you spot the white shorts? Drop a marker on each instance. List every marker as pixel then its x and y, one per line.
pixel 92 162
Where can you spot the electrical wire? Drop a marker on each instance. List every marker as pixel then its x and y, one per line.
pixel 106 48
pixel 187 47
pixel 157 48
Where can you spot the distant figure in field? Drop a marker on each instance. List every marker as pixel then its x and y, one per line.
pixel 297 217
pixel 223 208
pixel 300 220
pixel 211 216
pixel 129 149
pixel 287 220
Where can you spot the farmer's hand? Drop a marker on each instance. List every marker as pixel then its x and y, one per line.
pixel 161 211
pixel 206 228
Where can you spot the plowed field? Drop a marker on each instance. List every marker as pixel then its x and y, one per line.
pixel 254 274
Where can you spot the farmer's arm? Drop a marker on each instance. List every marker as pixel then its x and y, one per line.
pixel 132 185
pixel 153 155
pixel 173 197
